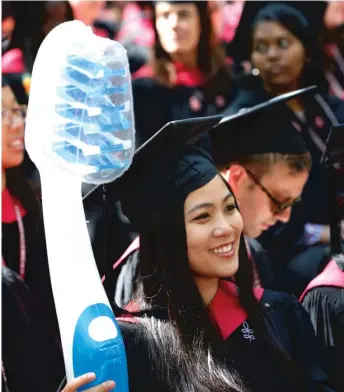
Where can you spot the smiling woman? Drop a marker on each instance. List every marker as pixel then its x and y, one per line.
pixel 188 327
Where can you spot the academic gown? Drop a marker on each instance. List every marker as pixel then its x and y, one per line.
pixel 295 263
pixel 324 301
pixel 155 105
pixel 31 354
pixel 35 270
pixel 287 322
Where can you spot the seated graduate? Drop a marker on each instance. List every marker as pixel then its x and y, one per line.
pixel 187 75
pixel 285 56
pixel 266 169
pixel 324 296
pixel 188 327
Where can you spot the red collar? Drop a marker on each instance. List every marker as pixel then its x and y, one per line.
pixel 227 310
pixel 7 207
pixel 188 77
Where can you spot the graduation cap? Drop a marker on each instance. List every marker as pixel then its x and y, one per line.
pixel 333 160
pixel 240 47
pixel 165 169
pixel 264 128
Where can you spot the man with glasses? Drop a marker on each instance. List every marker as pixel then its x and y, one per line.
pixel 266 162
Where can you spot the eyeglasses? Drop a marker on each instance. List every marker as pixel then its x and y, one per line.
pixel 9 115
pixel 279 205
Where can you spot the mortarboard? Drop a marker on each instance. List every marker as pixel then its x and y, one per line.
pixel 264 128
pixel 169 166
pixel 165 169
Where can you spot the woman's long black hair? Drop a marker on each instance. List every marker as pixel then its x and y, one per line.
pixel 167 281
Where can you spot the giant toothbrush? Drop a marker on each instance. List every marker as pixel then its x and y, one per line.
pixel 80 128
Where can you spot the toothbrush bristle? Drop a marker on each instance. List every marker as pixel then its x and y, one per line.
pixel 93 128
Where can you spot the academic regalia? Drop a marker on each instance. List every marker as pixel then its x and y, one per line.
pixel 284 242
pixel 324 301
pixel 24 252
pixel 191 97
pixel 286 320
pixel 323 298
pixel 31 354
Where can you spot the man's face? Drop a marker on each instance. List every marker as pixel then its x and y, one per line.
pixel 257 209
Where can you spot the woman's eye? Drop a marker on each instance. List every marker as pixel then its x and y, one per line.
pixel 165 15
pixel 261 48
pixel 230 207
pixel 184 14
pixel 283 43
pixel 202 216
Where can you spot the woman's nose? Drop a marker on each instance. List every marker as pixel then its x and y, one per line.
pixel 272 52
pixel 173 20
pixel 222 228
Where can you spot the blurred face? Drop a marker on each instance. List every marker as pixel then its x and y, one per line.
pixel 278 55
pixel 12 136
pixel 55 14
pixel 87 11
pixel 178 26
pixel 257 209
pixel 213 229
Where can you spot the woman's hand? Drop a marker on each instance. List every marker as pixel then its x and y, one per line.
pixel 73 385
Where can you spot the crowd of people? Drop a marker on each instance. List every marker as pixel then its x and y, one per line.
pixel 221 248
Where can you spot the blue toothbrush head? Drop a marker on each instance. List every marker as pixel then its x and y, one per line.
pixel 80 115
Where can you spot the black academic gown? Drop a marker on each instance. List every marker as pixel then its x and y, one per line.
pixel 324 301
pixel 287 322
pixel 155 105
pixel 37 275
pixel 295 263
pixel 31 354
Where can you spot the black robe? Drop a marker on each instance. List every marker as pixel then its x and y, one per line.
pixel 287 322
pixel 155 105
pixel 31 353
pixel 324 301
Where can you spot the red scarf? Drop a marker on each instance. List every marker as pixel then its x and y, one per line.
pixel 188 77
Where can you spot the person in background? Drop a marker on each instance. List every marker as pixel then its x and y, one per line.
pixel 33 21
pixel 29 323
pixel 188 76
pixel 286 57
